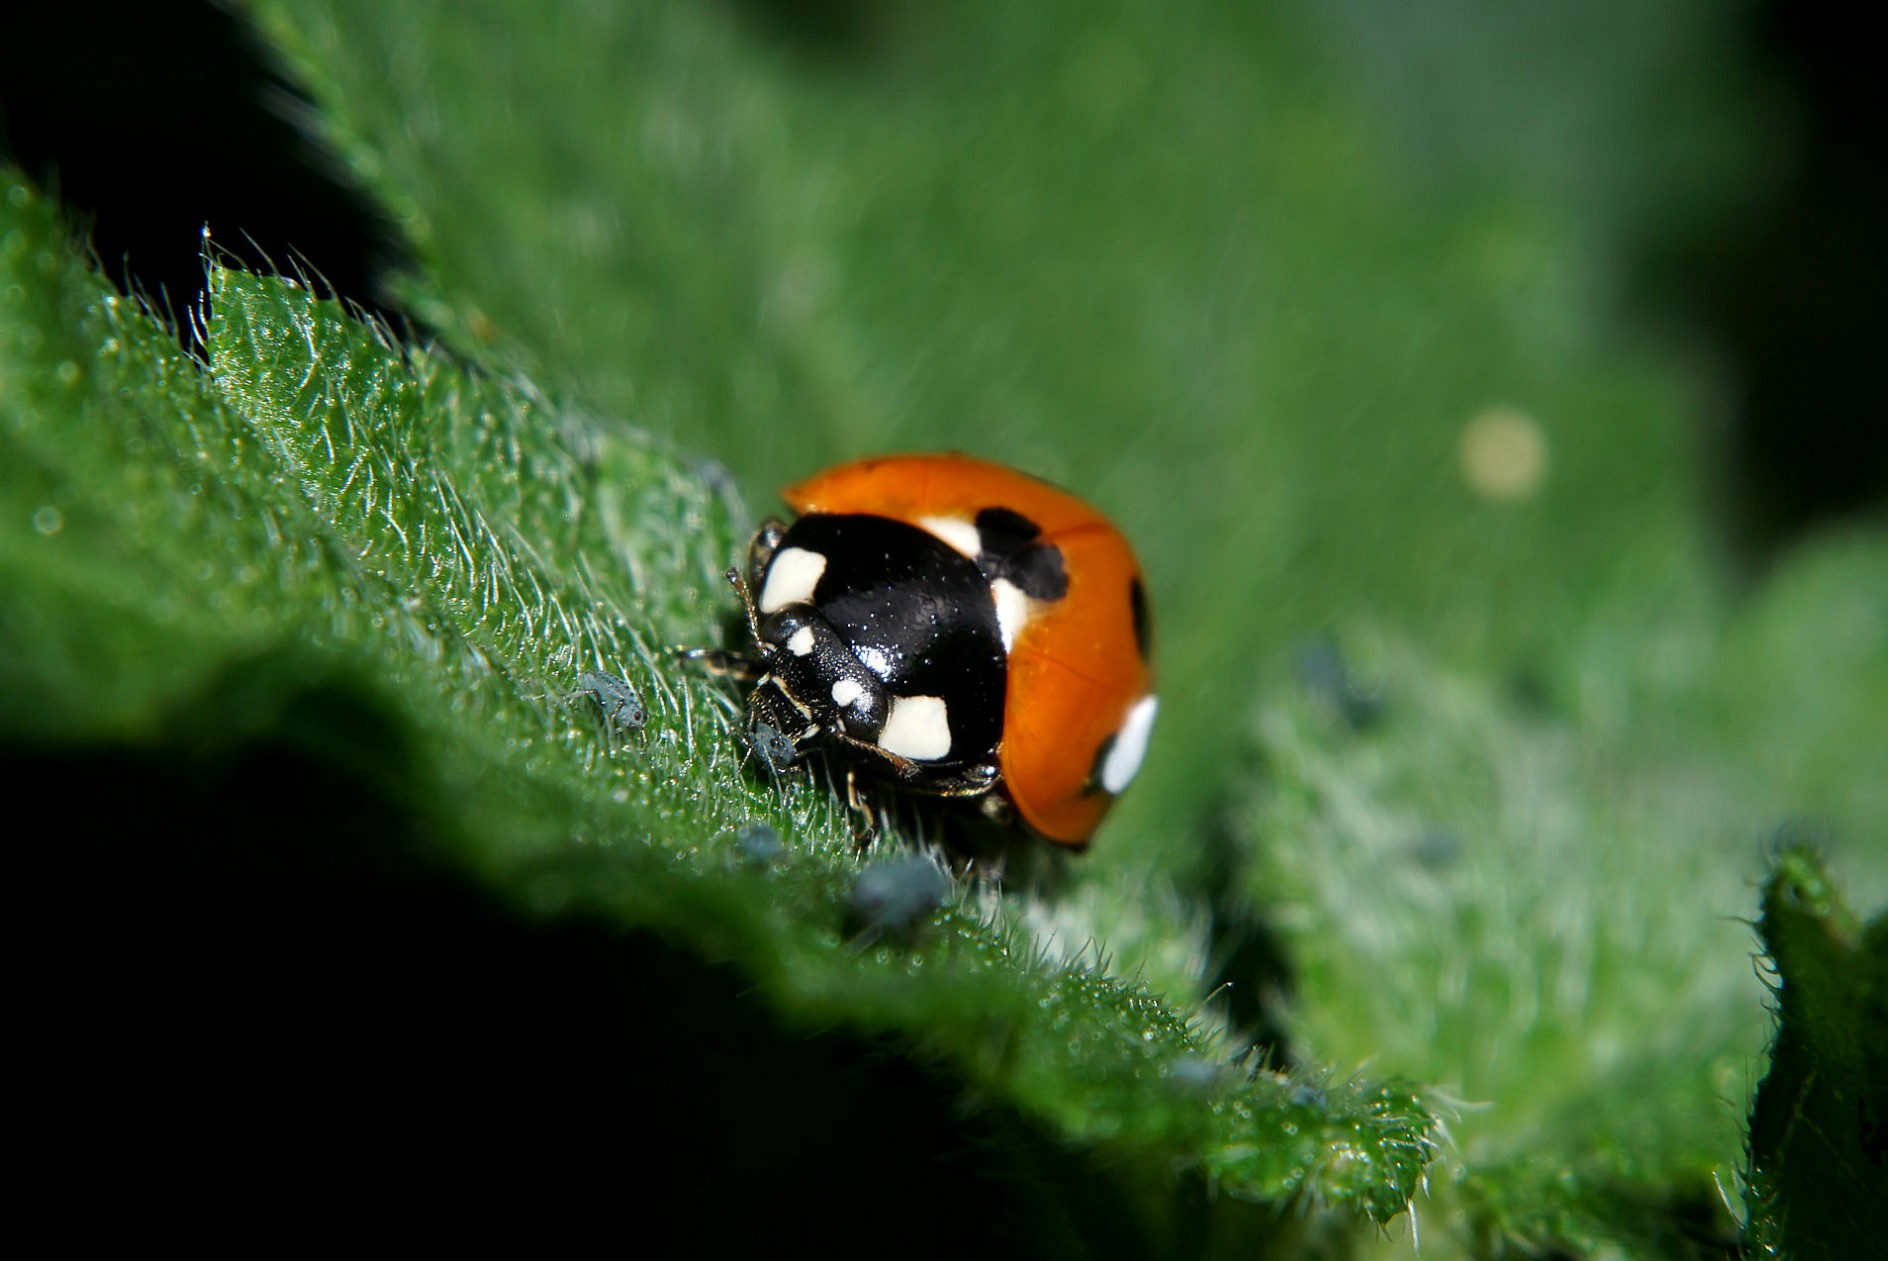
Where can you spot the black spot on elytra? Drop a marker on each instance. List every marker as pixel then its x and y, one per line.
pixel 1011 549
pixel 1143 619
pixel 1005 530
pixel 1093 783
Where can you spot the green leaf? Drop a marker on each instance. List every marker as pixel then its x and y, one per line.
pixel 1479 897
pixel 1818 1175
pixel 318 491
pixel 1323 303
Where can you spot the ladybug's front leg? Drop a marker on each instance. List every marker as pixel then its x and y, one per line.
pixel 743 669
pixel 721 662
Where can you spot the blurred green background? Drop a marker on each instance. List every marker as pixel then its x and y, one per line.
pixel 1486 391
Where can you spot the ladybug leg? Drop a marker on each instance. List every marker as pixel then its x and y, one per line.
pixel 974 782
pixel 719 662
pixel 865 831
pixel 904 767
pixel 977 781
pixel 732 664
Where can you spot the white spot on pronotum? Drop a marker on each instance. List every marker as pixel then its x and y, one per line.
pixel 1130 746
pixel 874 659
pixel 791 578
pixel 1012 610
pixel 847 691
pixel 800 642
pixel 956 531
pixel 918 727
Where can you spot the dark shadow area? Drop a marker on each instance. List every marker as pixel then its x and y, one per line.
pixel 151 121
pixel 1798 301
pixel 835 33
pixel 257 1010
pixel 1251 972
pixel 1252 969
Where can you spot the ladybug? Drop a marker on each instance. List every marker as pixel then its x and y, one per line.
pixel 959 628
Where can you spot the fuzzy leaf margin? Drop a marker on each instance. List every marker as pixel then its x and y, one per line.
pixel 1818 1174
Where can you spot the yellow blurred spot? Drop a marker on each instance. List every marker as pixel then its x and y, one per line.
pixel 1504 454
